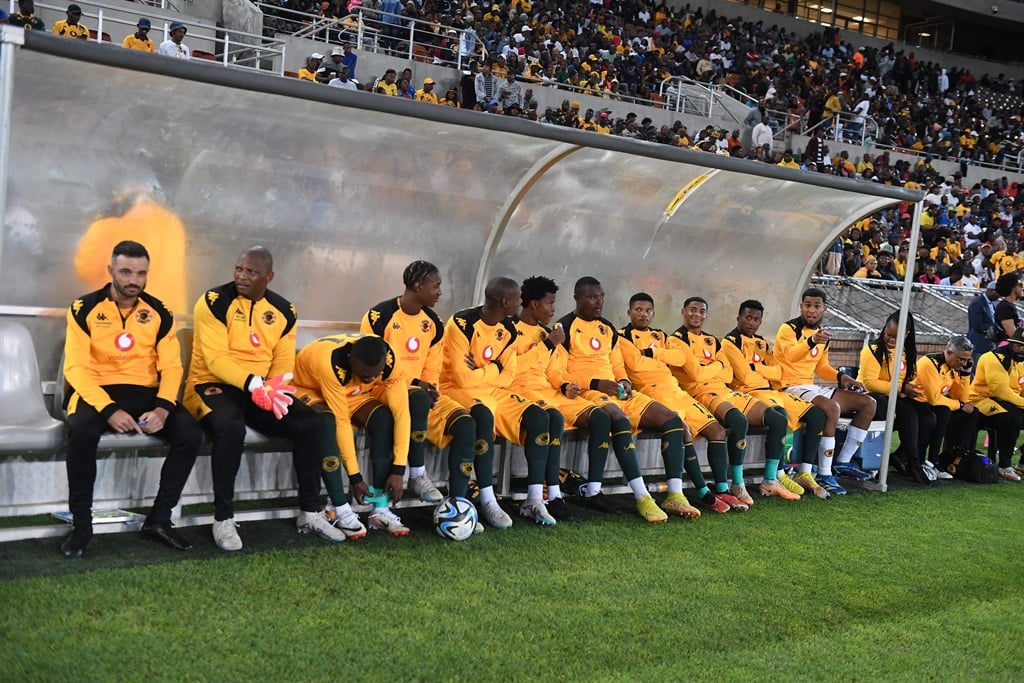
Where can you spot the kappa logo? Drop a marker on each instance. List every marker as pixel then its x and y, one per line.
pixel 124 341
pixel 374 316
pixel 269 317
pixel 211 297
pixel 341 373
pixel 76 306
pixel 389 360
pixel 461 322
pixel 100 317
pixel 396 326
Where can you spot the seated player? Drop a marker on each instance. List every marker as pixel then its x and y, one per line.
pixel 336 376
pixel 647 360
pixel 945 380
pixel 801 350
pixel 914 420
pixel 479 364
pixel 536 346
pixel 997 393
pixel 707 379
pixel 594 362
pixel 414 331
pixel 242 354
pixel 753 370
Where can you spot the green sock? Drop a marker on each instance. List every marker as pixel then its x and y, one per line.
pixel 556 428
pixel 534 425
pixel 483 450
pixel 692 464
pixel 460 454
pixel 672 448
pixel 380 433
pixel 599 426
pixel 625 448
pixel 718 458
pixel 330 470
pixel 419 407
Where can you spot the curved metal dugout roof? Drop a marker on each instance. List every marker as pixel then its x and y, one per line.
pixel 346 188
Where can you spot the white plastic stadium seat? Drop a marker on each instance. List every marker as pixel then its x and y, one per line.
pixel 24 423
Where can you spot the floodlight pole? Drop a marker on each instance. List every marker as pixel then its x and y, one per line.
pixel 901 331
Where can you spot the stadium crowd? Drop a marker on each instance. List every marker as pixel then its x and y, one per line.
pixel 626 50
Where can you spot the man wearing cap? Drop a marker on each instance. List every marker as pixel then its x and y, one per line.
pixel 886 267
pixel 996 393
pixel 71 27
pixel 173 47
pixel 140 40
pixel 308 72
pixel 26 17
pixel 426 93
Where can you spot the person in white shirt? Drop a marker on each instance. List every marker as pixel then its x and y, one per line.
pixel 173 47
pixel 343 81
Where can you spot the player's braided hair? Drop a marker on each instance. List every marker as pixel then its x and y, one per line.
pixel 416 272
pixel 882 353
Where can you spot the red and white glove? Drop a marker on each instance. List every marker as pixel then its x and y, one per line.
pixel 273 394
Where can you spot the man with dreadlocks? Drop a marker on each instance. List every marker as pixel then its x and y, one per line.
pixel 413 330
pixel 914 420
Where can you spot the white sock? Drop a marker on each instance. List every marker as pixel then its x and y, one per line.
pixel 825 450
pixel 675 485
pixel 806 467
pixel 487 495
pixel 778 475
pixel 854 438
pixel 343 509
pixel 639 487
pixel 535 491
pixel 554 492
pixel 591 488
pixel 417 472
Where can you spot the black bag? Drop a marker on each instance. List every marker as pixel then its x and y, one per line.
pixel 970 465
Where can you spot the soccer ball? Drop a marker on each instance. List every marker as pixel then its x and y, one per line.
pixel 455 518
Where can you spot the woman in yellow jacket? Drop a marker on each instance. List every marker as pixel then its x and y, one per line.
pixel 914 420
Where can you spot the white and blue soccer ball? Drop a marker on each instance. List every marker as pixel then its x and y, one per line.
pixel 455 519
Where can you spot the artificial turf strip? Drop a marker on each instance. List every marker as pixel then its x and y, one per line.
pixel 911 585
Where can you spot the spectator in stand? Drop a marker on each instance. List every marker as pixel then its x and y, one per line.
pixel 927 275
pixel 869 269
pixel 72 26
pixel 886 267
pixel 349 59
pixel 308 72
pixel 485 84
pixel 26 17
pixel 173 46
pixel 787 160
pixel 451 98
pixel 140 40
pixel 510 92
pixel 343 81
pixel 762 135
pixel 426 93
pixel 387 85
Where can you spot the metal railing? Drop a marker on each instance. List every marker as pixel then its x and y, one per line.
pixel 233 48
pixel 687 96
pixel 370 29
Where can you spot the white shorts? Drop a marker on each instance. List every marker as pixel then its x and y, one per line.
pixel 809 392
